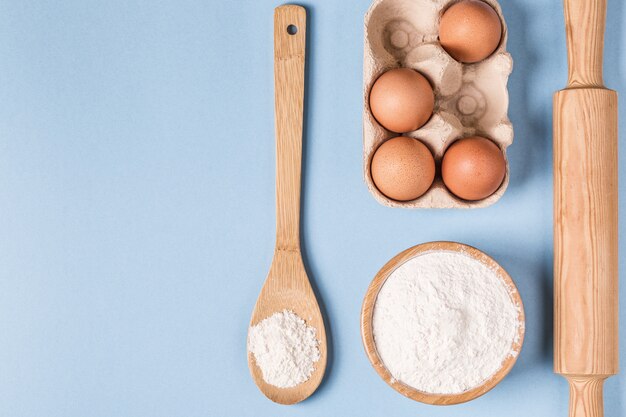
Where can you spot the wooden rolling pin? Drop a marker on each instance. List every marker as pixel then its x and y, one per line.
pixel 585 215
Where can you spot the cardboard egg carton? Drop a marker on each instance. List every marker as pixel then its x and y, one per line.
pixel 470 99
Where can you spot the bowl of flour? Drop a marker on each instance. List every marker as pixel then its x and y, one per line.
pixel 442 323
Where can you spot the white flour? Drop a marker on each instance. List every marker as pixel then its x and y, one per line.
pixel 285 348
pixel 444 323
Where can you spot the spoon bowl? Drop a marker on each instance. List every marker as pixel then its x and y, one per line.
pixel 287 288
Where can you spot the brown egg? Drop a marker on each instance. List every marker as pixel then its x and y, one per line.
pixel 403 168
pixel 473 168
pixel 470 30
pixel 402 100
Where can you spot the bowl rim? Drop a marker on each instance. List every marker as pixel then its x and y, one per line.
pixel 367 313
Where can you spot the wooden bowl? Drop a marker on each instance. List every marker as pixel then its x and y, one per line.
pixel 367 333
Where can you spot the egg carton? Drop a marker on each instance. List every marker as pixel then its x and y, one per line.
pixel 470 99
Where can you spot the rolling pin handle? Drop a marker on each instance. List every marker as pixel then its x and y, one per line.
pixel 585 22
pixel 586 396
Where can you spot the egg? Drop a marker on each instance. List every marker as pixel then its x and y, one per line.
pixel 403 168
pixel 473 168
pixel 470 30
pixel 402 100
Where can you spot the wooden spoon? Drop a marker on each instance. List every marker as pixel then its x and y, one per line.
pixel 287 286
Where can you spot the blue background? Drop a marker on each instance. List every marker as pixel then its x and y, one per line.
pixel 137 207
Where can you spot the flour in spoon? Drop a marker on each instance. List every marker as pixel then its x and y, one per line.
pixel 444 323
pixel 285 348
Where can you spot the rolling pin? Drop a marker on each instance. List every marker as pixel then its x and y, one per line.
pixel 585 215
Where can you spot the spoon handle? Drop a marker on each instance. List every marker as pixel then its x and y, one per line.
pixel 289 53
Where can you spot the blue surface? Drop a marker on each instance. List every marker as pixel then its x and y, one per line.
pixel 137 207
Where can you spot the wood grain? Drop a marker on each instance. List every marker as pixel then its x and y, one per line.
pixel 585 215
pixel 585 232
pixel 287 285
pixel 585 396
pixel 289 53
pixel 367 316
pixel 584 29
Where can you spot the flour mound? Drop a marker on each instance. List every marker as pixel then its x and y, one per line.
pixel 444 323
pixel 285 348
